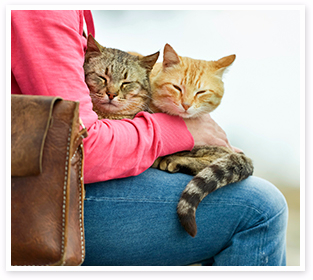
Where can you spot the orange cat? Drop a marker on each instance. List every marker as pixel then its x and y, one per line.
pixel 187 87
pixel 190 88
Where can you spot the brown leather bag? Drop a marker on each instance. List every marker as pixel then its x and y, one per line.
pixel 47 191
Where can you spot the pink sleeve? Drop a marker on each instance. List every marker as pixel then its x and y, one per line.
pixel 47 58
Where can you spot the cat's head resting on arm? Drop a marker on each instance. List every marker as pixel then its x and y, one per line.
pixel 118 81
pixel 187 87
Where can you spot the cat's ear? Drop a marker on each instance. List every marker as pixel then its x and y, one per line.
pixel 149 60
pixel 170 57
pixel 223 63
pixel 93 45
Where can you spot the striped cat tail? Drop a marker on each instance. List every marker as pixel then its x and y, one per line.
pixel 230 168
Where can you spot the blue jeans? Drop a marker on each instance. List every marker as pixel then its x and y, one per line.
pixel 133 222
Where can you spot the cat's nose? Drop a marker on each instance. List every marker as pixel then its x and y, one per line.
pixel 111 95
pixel 186 106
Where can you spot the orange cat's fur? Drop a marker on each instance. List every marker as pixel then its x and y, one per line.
pixel 187 87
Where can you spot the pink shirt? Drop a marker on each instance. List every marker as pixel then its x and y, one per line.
pixel 47 59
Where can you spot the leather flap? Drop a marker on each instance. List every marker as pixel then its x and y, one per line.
pixel 30 120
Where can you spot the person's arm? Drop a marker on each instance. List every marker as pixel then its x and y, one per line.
pixel 47 59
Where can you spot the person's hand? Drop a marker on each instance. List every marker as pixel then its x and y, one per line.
pixel 206 131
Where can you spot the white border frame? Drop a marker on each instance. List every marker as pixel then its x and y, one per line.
pixel 300 8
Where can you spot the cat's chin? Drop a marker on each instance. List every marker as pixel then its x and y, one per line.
pixel 190 116
pixel 186 115
pixel 107 107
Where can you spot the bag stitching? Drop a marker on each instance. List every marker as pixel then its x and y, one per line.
pixel 80 206
pixel 64 193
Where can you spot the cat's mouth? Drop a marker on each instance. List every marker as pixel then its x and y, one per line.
pixel 104 102
pixel 108 106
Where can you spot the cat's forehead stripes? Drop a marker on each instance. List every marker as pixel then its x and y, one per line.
pixel 195 72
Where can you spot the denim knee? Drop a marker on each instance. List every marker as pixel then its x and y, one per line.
pixel 262 195
pixel 261 214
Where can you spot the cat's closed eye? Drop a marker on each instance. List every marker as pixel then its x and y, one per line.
pixel 104 80
pixel 125 84
pixel 200 92
pixel 177 87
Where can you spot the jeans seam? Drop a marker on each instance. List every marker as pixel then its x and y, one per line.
pixel 264 258
pixel 92 198
pixel 129 200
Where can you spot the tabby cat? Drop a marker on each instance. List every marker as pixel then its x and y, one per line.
pixel 118 81
pixel 180 86
pixel 190 88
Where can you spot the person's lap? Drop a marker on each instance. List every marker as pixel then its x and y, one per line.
pixel 133 221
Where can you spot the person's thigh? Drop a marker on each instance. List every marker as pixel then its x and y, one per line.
pixel 133 221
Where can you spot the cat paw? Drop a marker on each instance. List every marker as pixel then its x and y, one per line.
pixel 168 165
pixel 173 167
